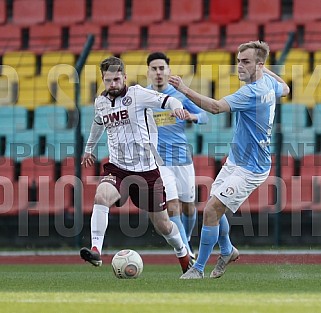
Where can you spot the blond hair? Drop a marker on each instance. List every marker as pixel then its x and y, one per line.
pixel 261 48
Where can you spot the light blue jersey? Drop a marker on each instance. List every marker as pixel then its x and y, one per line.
pixel 254 105
pixel 172 142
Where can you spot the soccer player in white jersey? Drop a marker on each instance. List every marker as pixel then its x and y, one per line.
pixel 125 113
pixel 177 172
pixel 249 161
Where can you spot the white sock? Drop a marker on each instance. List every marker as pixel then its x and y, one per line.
pixel 175 240
pixel 99 223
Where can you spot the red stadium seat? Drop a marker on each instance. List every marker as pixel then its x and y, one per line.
pixel 78 36
pixel 27 12
pixel 312 36
pixel 39 174
pixel 225 12
pixel 46 37
pixel 123 37
pixel 103 14
pixel 3 11
pixel 163 36
pixel 69 12
pixel 203 36
pixel 205 172
pixel 146 12
pixel 186 11
pixel 276 34
pixel 237 33
pixel 264 11
pixel 306 11
pixel 10 38
pixel 7 168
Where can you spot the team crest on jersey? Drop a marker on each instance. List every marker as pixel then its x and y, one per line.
pixel 127 101
pixel 109 179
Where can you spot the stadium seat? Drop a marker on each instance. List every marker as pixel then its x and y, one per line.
pixel 34 167
pixel 87 116
pixel 24 63
pixel 46 37
pixel 22 144
pixel 7 168
pixel 210 64
pixel 69 12
pixel 50 118
pixel 103 14
pixel 306 88
pixel 78 35
pixel 317 118
pixel 123 37
pixel 52 61
pixel 163 36
pixel 264 11
pixel 60 144
pixel 147 12
pixel 237 33
pixel 296 64
pixel 202 36
pixel 33 92
pixel 12 119
pixel 9 199
pixel 304 11
pixel 10 38
pixel 205 172
pixel 3 12
pixel 216 136
pixel 136 66
pixel 294 117
pixel 277 33
pixel 185 12
pixel 39 173
pixel 312 36
pixel 224 12
pixel 28 13
pixel 180 62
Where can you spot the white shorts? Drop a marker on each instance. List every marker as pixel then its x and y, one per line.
pixel 179 182
pixel 234 184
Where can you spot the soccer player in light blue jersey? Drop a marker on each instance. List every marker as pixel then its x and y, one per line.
pixel 177 171
pixel 249 161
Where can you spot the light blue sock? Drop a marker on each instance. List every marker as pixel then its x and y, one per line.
pixel 189 224
pixel 177 220
pixel 224 238
pixel 209 236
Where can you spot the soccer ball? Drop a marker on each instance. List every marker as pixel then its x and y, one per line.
pixel 127 264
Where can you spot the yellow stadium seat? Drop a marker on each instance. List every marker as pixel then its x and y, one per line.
pixel 7 90
pixel 33 92
pixel 65 94
pixel 199 84
pixel 51 59
pixel 307 88
pixel 180 62
pixel 296 60
pixel 24 63
pixel 136 67
pixel 212 64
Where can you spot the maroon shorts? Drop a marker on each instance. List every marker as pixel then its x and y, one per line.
pixel 145 189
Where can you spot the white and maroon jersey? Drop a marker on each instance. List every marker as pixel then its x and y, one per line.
pixel 131 129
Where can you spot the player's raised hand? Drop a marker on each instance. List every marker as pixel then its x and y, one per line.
pixel 179 113
pixel 177 82
pixel 88 159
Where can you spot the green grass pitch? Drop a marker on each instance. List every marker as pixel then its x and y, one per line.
pixel 83 288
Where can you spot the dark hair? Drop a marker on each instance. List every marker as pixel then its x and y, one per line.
pixel 112 64
pixel 156 56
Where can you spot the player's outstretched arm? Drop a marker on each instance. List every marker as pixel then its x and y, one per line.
pixel 208 104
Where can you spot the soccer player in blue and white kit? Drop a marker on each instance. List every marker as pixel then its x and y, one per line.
pixel 249 161
pixel 126 114
pixel 177 170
